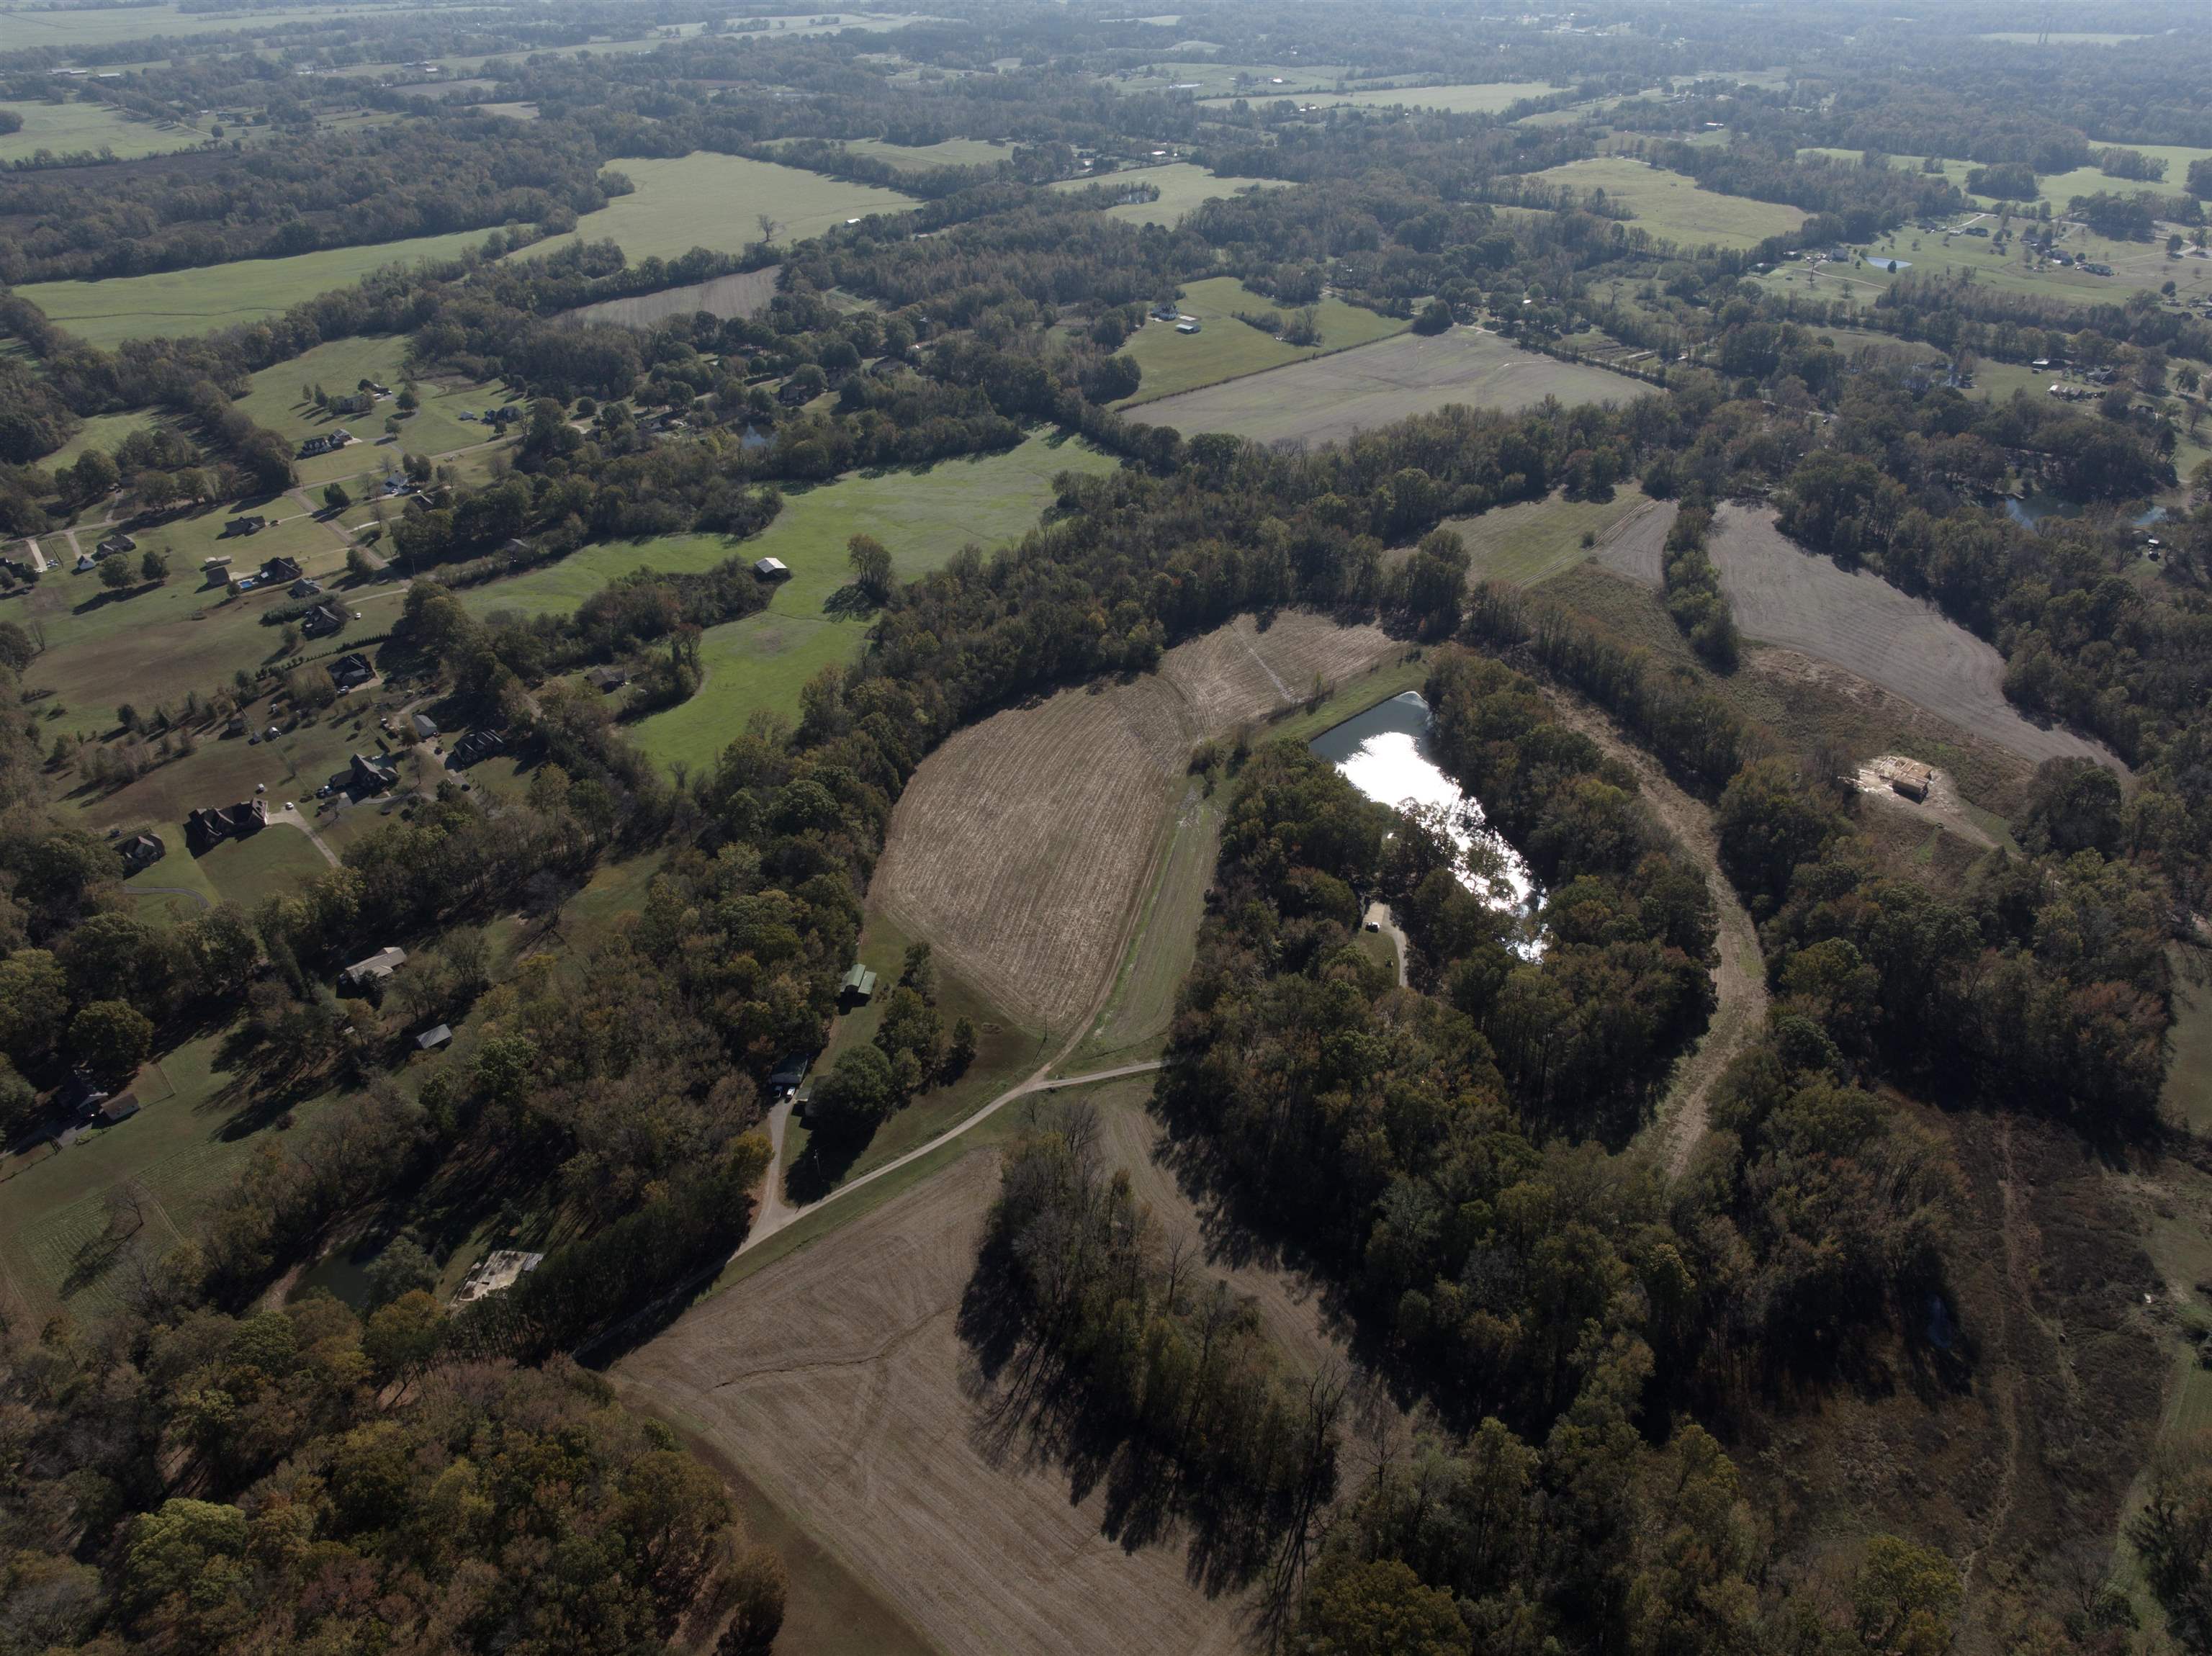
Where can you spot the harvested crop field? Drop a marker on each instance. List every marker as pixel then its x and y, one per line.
pixel 1329 399
pixel 1022 846
pixel 1786 596
pixel 746 294
pixel 838 1380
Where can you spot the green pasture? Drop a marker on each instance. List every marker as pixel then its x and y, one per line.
pixel 58 1246
pixel 1204 79
pixel 74 128
pixel 1673 206
pixel 1134 1024
pixel 273 399
pixel 924 516
pixel 706 200
pixel 1225 349
pixel 1182 187
pixel 1524 543
pixel 1482 98
pixel 182 303
pixel 919 158
pixel 101 431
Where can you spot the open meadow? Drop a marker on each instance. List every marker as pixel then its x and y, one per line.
pixel 706 200
pixel 743 293
pixel 1673 207
pixel 1182 187
pixel 86 126
pixel 921 157
pixel 274 401
pixel 1331 398
pixel 1025 845
pixel 1482 98
pixel 179 303
pixel 1531 540
pixel 1227 348
pixel 1786 596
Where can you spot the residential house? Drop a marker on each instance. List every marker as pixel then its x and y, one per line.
pixel 605 680
pixel 321 621
pixel 478 745
pixel 431 1040
pixel 350 671
pixel 366 974
pixel 372 772
pixel 279 570
pixel 141 851
pixel 114 545
pixel 250 524
pixel 211 825
pixel 305 588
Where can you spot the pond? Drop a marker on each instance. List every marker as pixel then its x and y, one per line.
pixel 1385 753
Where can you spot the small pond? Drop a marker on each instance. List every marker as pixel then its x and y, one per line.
pixel 1385 754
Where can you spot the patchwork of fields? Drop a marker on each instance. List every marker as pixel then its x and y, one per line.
pixel 1331 398
pixel 1225 348
pixel 1182 186
pixel 1672 206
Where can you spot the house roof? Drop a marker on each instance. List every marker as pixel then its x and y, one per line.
pixel 382 964
pixel 432 1039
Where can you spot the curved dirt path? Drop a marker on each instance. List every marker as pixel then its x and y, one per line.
pixel 1739 978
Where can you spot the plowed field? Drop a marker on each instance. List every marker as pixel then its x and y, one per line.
pixel 1021 847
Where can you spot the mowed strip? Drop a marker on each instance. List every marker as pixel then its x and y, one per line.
pixel 1331 398
pixel 1785 595
pixel 1022 846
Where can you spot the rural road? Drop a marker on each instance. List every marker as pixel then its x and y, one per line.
pixel 775 1213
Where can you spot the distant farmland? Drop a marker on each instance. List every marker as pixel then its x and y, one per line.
pixel 746 294
pixel 1329 399
pixel 1674 206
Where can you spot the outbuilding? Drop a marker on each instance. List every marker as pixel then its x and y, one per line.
pixel 772 569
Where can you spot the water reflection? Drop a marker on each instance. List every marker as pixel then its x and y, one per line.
pixel 1385 753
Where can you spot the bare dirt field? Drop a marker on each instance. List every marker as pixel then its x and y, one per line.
pixel 1327 399
pixel 746 294
pixel 838 1380
pixel 1022 846
pixel 1786 596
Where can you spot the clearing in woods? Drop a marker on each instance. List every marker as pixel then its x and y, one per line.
pixel 706 200
pixel 1786 596
pixel 90 127
pixel 178 304
pixel 1022 846
pixel 839 1381
pixel 1484 98
pixel 1674 206
pixel 1225 348
pixel 1531 540
pixel 747 293
pixel 1182 186
pixel 1333 395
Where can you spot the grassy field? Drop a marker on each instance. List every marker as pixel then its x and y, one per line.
pixel 2188 1097
pixel 185 1148
pixel 706 200
pixel 70 128
pixel 104 431
pixel 1227 348
pixel 1182 187
pixel 919 158
pixel 1332 397
pixel 1672 206
pixel 1207 79
pixel 924 516
pixel 68 29
pixel 1533 540
pixel 180 303
pixel 157 642
pixel 274 401
pixel 1134 1024
pixel 1025 845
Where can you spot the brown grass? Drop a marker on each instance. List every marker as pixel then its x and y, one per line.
pixel 1788 596
pixel 1022 846
pixel 745 293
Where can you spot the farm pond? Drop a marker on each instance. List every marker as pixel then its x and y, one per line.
pixel 1386 754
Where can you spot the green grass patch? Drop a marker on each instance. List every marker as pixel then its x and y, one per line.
pixel 2188 1096
pixel 923 515
pixel 1525 544
pixel 1135 1024
pixel 274 862
pixel 273 399
pixel 920 158
pixel 1182 187
pixel 75 128
pixel 1226 348
pixel 182 303
pixel 1670 205
pixel 101 431
pixel 1371 688
pixel 706 200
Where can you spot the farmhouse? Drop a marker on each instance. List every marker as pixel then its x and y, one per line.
pixel 210 826
pixel 141 851
pixel 329 445
pixel 305 588
pixel 371 772
pixel 279 569
pixel 252 523
pixel 478 745
pixel 321 621
pixel 114 545
pixel 375 969
pixel 349 671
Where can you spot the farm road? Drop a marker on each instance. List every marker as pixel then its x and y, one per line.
pixel 775 1213
pixel 1738 978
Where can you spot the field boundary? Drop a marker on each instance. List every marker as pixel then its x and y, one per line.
pixel 1140 400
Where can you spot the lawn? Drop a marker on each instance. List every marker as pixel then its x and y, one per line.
pixel 73 128
pixel 104 431
pixel 185 1148
pixel 157 642
pixel 706 200
pixel 923 516
pixel 1182 187
pixel 181 303
pixel 273 400
pixel 919 158
pixel 1672 206
pixel 1227 348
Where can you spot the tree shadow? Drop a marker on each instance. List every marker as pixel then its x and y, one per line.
pixel 850 602
pixel 821 1167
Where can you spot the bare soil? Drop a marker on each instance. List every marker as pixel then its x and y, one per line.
pixel 1023 846
pixel 1786 596
pixel 747 293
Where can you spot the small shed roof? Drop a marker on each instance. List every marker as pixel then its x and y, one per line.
pixel 771 568
pixel 431 1040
